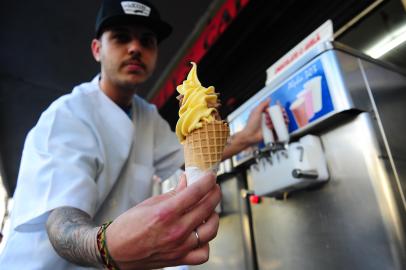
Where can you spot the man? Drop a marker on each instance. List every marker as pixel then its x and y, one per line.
pixel 90 160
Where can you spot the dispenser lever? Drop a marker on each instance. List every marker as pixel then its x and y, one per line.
pixel 266 132
pixel 309 174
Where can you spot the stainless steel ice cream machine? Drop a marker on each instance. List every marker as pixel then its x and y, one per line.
pixel 327 190
pixel 332 183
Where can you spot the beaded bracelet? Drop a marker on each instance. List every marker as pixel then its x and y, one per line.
pixel 108 261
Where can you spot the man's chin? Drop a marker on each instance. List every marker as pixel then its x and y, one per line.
pixel 132 81
pixel 137 78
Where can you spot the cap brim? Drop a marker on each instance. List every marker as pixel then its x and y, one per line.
pixel 159 27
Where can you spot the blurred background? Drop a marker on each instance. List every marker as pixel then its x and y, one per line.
pixel 45 52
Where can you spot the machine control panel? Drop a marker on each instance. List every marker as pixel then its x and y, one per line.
pixel 295 166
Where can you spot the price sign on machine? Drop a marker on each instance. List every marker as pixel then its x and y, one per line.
pixel 305 96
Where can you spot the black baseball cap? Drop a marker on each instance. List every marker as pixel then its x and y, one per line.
pixel 116 12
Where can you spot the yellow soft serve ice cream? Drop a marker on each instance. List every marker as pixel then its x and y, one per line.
pixel 198 105
pixel 200 128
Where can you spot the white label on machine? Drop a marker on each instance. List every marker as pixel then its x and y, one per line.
pixel 320 35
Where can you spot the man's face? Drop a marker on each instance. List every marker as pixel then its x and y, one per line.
pixel 127 54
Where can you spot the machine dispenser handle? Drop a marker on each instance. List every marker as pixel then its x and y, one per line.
pixel 266 132
pixel 279 123
pixel 309 174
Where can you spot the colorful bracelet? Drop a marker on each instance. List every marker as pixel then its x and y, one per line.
pixel 108 261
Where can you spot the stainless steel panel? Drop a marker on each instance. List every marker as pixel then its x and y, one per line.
pixel 349 223
pixel 388 91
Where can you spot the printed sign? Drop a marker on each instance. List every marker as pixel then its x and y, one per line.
pixel 320 35
pixel 305 97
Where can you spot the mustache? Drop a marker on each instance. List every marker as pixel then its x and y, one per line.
pixel 134 60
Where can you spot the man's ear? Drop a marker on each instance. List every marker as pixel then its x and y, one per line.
pixel 96 44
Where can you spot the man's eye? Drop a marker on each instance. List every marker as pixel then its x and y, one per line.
pixel 122 38
pixel 149 41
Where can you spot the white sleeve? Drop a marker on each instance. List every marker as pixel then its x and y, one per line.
pixel 168 152
pixel 58 168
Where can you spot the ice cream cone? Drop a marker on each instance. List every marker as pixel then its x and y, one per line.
pixel 204 147
pixel 200 128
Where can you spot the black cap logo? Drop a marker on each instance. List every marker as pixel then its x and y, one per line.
pixel 135 8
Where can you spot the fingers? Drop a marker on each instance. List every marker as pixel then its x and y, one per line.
pixel 196 256
pixel 193 257
pixel 264 105
pixel 172 193
pixel 195 216
pixel 205 232
pixel 190 196
pixel 268 120
pixel 181 186
pixel 208 230
pixel 182 183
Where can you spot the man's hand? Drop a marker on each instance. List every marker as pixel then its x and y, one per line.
pixel 159 232
pixel 252 133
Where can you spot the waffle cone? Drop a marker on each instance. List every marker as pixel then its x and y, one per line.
pixel 203 148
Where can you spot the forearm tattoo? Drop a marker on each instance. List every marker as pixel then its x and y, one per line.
pixel 73 236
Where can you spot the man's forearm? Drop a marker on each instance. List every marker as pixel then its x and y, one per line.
pixel 73 236
pixel 235 144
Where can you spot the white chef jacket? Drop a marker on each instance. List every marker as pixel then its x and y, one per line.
pixel 85 152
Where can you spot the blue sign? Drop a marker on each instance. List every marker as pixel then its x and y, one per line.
pixel 305 97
